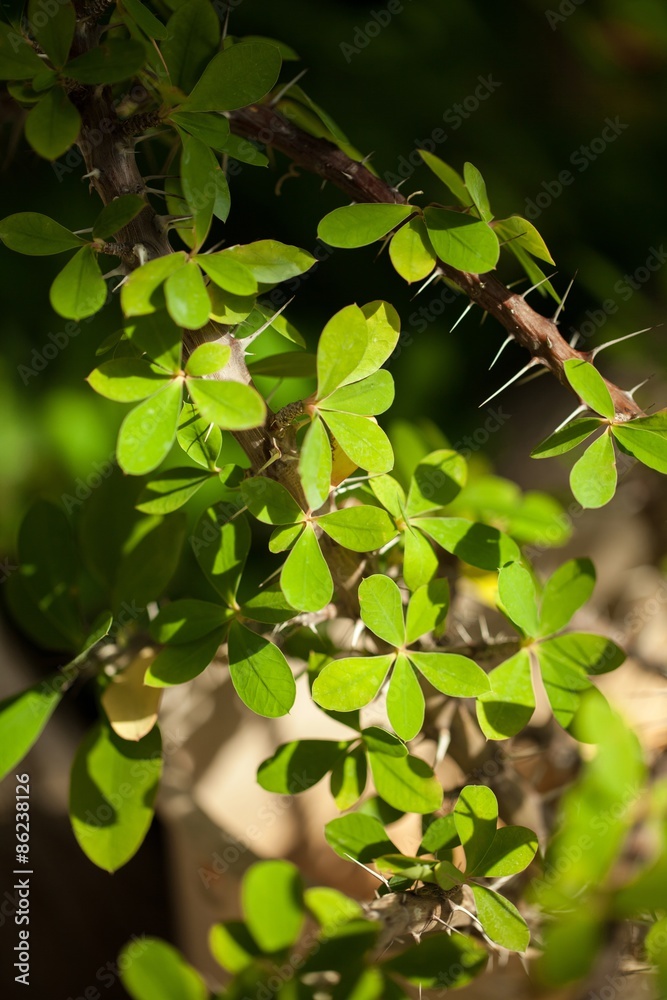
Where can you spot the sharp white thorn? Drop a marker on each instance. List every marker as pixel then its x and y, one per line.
pixel 247 341
pixel 580 409
pixel 576 337
pixel 413 195
pixel 538 283
pixel 484 629
pixel 630 393
pixel 462 316
pixel 288 86
pixel 432 277
pixel 511 381
pixel 619 340
pixel 530 378
pixel 381 878
pixel 561 305
pixel 356 633
pixel 502 347
pixel 464 633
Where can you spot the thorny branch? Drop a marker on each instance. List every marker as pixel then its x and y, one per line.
pixel 537 334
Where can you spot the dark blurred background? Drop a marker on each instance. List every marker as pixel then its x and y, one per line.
pixel 557 72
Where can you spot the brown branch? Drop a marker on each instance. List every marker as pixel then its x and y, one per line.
pixel 530 329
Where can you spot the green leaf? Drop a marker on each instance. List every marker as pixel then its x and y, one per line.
pixel 182 662
pixel 18 59
pixel 113 61
pixel 49 568
pixel 192 39
pixel 427 610
pixel 149 558
pixel 299 765
pixel 362 440
pixel 23 717
pixel 211 129
pixel 564 593
pixel 229 273
pixel 461 241
pixel 564 681
pixel 221 549
pixel 477 190
pixel 331 908
pixel 287 364
pixel 451 673
pixel 382 608
pixel 79 290
pixel 523 234
pixel 390 493
pixel 405 700
pixel 272 896
pixel 198 170
pixel 305 577
pixel 476 819
pixel 150 968
pixel 589 385
pixel 348 778
pixel 200 440
pixel 284 536
pixel 361 529
pixel 127 380
pixel 240 75
pixel 438 478
pixel 512 850
pixel 370 396
pixel 232 945
pixel 117 214
pixel 170 490
pixel 351 682
pixel 508 707
pixel 439 961
pixel 440 835
pixel 566 438
pixel 187 620
pixel 36 234
pixel 53 31
pixel 147 21
pixel 646 439
pixel 53 124
pixel 411 252
pixel 420 562
pixel 315 464
pixel 449 177
pixel 361 837
pixel 378 740
pixel 207 359
pixel 186 296
pixel 260 673
pixel 476 544
pixel 534 273
pixel 340 349
pixel 270 261
pixel 500 919
pixel 593 477
pixel 148 431
pixel 245 151
pixel 270 502
pixel 407 783
pixel 231 405
pixel 110 825
pixel 359 225
pixel 518 597
pixel 383 327
pixel 140 296
pixel 592 654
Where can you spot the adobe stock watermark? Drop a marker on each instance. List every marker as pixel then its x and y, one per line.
pixel 565 9
pixel 581 159
pixel 364 34
pixel 41 357
pixel 454 117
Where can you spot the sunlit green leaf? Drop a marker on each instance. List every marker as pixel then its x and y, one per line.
pixel 260 673
pixel 340 349
pixel 139 295
pixel 79 290
pixel 229 273
pixel 231 405
pixel 22 719
pixel 269 501
pixel 127 380
pixel 406 783
pixel 198 170
pixel 361 529
pixel 525 235
pixel 476 819
pixel 359 225
pixel 474 543
pixel 305 577
pixel 405 700
pixel 315 464
pixel 508 707
pixel 277 925
pixel 593 477
pixel 474 182
pixel 232 945
pixel 184 661
pixel 187 620
pixel 382 608
pixel 200 440
pixel 449 177
pixel 566 438
pixel 362 440
pixel 36 234
pixel 420 563
pixel 451 673
pixel 463 242
pixel 207 359
pixel 438 478
pixel 299 765
pixel 110 826
pixel 351 682
pixel 148 431
pixel 150 968
pixel 221 548
pixel 348 778
pixel 427 610
pixel 186 296
pixel 117 214
pixel 646 439
pixel 564 593
pixel 500 919
pixel 362 837
pixel 589 384
pixel 411 252
pixel 513 848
